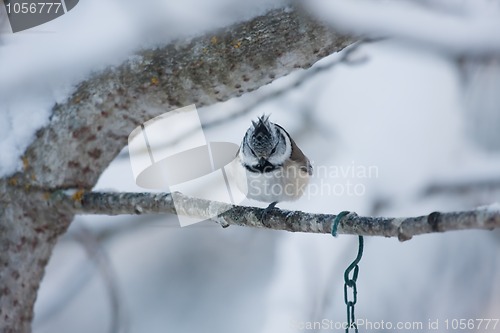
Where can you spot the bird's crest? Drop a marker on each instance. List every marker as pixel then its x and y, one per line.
pixel 262 127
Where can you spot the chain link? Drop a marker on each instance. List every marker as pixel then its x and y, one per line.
pixel 350 283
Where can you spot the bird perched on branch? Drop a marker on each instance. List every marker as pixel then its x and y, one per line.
pixel 269 166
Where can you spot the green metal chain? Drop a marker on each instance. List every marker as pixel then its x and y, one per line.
pixel 350 282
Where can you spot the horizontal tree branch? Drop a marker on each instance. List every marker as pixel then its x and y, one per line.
pixel 404 228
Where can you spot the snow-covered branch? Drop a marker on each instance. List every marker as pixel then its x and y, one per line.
pixel 466 28
pixel 205 70
pixel 87 131
pixel 404 228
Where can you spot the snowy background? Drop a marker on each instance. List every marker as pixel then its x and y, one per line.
pixel 428 123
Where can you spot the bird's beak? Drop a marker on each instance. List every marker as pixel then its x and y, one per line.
pixel 262 161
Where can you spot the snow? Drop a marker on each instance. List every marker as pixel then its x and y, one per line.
pixel 41 65
pixel 492 208
pixel 469 31
pixel 401 112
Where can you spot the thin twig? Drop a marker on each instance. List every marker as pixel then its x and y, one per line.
pixel 98 255
pixel 459 187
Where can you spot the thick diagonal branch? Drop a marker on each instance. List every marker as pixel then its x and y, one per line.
pixel 88 130
pixel 404 228
pixel 93 125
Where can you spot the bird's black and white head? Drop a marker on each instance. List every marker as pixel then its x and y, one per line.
pixel 265 147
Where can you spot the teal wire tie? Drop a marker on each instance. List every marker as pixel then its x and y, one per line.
pixel 336 221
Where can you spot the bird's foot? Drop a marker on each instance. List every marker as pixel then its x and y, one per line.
pixel 266 212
